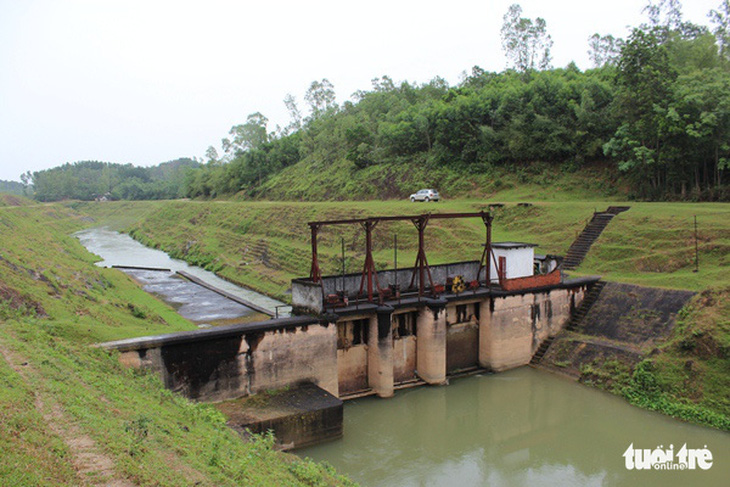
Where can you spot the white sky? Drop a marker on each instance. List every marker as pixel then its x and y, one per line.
pixel 149 81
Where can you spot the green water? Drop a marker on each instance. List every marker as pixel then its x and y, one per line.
pixel 524 427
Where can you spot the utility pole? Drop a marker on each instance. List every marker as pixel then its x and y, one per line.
pixel 697 249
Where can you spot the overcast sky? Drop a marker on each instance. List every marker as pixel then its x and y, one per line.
pixel 150 81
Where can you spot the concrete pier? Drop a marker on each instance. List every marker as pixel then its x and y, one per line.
pixel 380 352
pixel 431 344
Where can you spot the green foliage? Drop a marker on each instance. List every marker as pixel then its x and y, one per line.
pixel 138 430
pixel 311 473
pixel 12 187
pixel 490 119
pixel 644 390
pixel 672 99
pixel 656 106
pixel 88 180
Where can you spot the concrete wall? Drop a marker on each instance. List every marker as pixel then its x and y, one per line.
pixel 306 296
pixel 431 343
pixel 352 369
pixel 404 359
pixel 462 346
pixel 228 362
pixel 512 327
pixel 293 356
pixel 462 336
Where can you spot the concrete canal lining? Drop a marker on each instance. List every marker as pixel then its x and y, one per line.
pixel 194 299
pixel 225 294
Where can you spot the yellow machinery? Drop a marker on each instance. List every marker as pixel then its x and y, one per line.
pixel 458 285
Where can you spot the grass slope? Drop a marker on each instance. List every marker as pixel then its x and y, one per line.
pixel 57 392
pixel 312 180
pixel 687 376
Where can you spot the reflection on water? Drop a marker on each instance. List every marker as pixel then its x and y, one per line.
pixel 120 249
pixel 523 427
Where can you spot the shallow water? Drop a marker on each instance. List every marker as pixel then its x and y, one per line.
pixel 191 300
pixel 523 427
pixel 122 250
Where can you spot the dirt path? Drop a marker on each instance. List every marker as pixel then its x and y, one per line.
pixel 92 465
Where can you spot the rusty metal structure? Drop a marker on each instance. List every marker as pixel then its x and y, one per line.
pixel 421 270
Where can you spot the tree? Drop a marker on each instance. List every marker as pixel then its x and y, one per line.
pixel 604 50
pixel 251 135
pixel 664 13
pixel 212 155
pixel 27 179
pixel 665 20
pixel 321 97
pixel 645 81
pixel 720 18
pixel 294 114
pixel 525 42
pixel 382 84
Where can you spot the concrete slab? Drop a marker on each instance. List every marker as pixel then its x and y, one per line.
pixel 300 416
pixel 191 300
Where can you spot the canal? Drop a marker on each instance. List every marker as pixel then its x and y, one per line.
pixel 119 249
pixel 524 427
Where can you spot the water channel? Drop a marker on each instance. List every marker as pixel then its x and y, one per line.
pixel 119 249
pixel 523 427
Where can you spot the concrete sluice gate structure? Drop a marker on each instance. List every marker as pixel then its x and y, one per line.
pixel 412 339
pixel 351 347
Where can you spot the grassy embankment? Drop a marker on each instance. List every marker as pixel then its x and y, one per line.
pixel 69 413
pixel 264 244
pixel 312 180
pixel 687 376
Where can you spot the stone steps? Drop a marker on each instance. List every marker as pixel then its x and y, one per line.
pixel 576 320
pixel 590 298
pixel 580 247
pixel 541 350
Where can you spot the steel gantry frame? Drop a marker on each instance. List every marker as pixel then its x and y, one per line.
pixel 421 268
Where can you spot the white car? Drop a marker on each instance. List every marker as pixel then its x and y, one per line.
pixel 425 195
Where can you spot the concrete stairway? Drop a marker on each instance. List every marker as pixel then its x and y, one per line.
pixel 580 247
pixel 540 352
pixel 590 298
pixel 575 320
pixel 615 210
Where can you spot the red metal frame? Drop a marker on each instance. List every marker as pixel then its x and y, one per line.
pixel 421 268
pixel 421 264
pixel 368 270
pixel 314 272
pixel 485 261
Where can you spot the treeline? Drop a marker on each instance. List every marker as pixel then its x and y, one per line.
pixel 12 187
pixel 657 105
pixel 89 180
